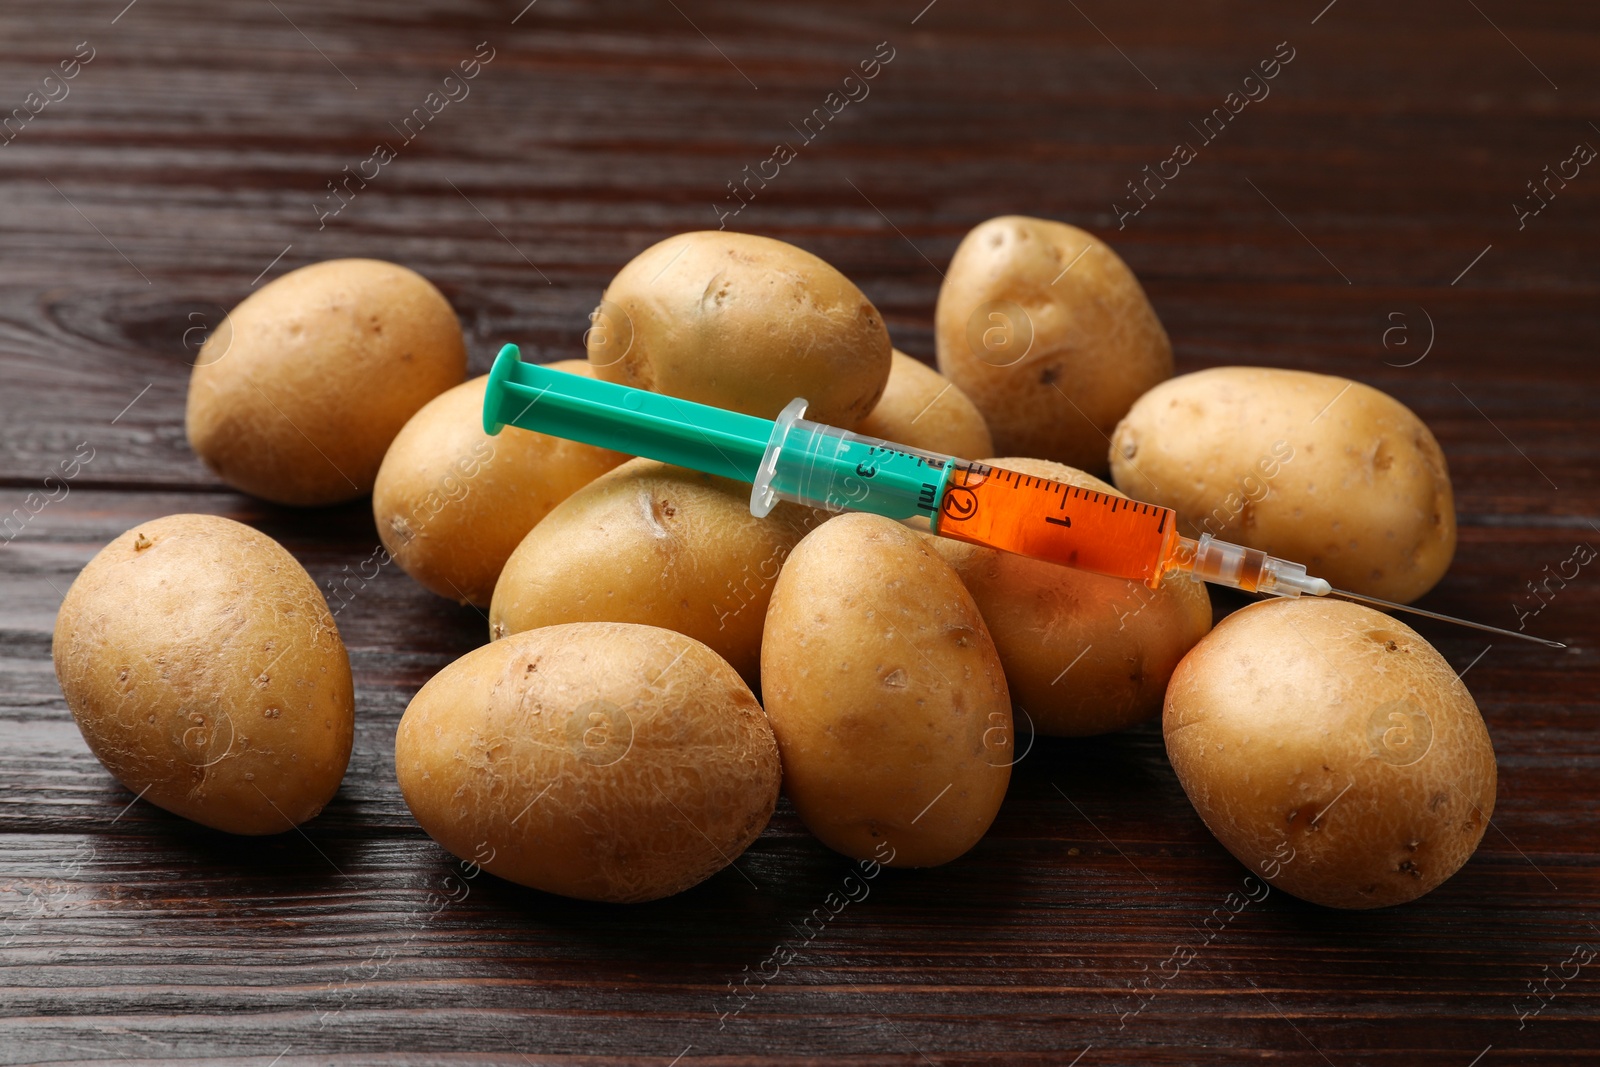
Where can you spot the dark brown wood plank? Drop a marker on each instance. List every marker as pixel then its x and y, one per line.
pixel 645 149
pixel 128 919
pixel 190 154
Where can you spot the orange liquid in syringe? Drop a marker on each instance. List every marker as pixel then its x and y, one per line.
pixel 1058 522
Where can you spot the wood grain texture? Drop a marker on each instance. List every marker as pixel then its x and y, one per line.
pixel 184 169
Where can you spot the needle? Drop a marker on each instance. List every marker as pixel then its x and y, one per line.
pixel 1392 606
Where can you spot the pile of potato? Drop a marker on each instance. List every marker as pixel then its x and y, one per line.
pixel 607 742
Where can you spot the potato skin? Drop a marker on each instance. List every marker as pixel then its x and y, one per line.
pixel 604 761
pixel 296 396
pixel 886 695
pixel 742 322
pixel 1363 498
pixel 924 409
pixel 1332 751
pixel 1052 360
pixel 452 503
pixel 658 545
pixel 1083 653
pixel 206 674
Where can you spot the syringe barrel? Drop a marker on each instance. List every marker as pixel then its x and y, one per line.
pixel 826 467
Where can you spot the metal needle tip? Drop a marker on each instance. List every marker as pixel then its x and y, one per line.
pixel 1390 605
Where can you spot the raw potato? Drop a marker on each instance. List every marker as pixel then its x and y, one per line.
pixel 653 544
pixel 1331 750
pixel 1083 654
pixel 1050 334
pixel 1307 467
pixel 452 502
pixel 603 761
pixel 924 409
pixel 297 394
pixel 205 673
pixel 886 694
pixel 742 322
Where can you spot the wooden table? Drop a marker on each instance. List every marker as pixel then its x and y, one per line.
pixel 1359 220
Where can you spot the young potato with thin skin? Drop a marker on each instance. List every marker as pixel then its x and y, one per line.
pixel 1332 751
pixel 298 393
pixel 452 503
pixel 654 544
pixel 206 674
pixel 1050 334
pixel 603 761
pixel 886 695
pixel 1083 653
pixel 1363 498
pixel 922 408
pixel 742 322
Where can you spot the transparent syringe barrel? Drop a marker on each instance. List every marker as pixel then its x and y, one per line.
pixel 1074 525
pixel 825 467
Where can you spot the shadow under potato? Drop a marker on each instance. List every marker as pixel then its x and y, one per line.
pixel 787 889
pixel 158 859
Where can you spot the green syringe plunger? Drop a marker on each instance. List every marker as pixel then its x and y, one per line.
pixel 789 458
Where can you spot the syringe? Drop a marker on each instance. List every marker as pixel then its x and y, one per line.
pixel 792 458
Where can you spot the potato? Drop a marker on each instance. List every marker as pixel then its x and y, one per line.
pixel 205 673
pixel 297 394
pixel 1311 468
pixel 605 761
pixel 886 694
pixel 923 409
pixel 1083 654
pixel 1050 335
pixel 452 502
pixel 741 322
pixel 1331 750
pixel 653 544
